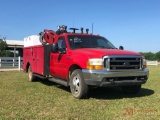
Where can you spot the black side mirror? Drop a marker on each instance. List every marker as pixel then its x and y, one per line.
pixel 121 48
pixel 54 48
pixel 62 50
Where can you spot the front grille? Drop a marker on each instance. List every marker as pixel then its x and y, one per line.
pixel 122 62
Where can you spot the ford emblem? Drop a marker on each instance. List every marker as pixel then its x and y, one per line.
pixel 126 63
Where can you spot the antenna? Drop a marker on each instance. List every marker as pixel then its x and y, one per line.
pixel 92 27
pixel 73 23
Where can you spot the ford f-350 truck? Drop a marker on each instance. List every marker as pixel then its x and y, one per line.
pixel 80 60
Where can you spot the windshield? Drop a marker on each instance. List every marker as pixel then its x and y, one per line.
pixel 76 41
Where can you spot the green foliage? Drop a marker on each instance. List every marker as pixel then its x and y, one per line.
pixel 9 53
pixel 157 55
pixel 151 56
pixel 3 51
pixel 3 46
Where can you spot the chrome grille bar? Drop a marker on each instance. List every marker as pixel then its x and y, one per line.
pixel 112 63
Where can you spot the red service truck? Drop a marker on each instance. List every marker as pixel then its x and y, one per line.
pixel 82 60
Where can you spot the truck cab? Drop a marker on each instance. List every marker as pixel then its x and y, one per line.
pixel 81 60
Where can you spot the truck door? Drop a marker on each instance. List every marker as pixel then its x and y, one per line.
pixel 40 59
pixel 33 61
pixel 59 61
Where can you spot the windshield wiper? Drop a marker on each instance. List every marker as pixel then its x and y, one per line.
pixel 100 47
pixel 111 48
pixel 81 46
pixel 105 47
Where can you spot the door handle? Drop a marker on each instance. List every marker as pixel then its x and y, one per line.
pixel 68 57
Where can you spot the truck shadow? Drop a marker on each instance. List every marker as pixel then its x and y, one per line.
pixel 104 93
pixel 49 83
pixel 116 93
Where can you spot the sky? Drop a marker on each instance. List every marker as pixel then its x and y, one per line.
pixel 133 24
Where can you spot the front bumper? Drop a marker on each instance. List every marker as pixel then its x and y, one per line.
pixel 104 78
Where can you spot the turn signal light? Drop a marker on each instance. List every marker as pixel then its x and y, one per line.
pixel 144 63
pixel 94 64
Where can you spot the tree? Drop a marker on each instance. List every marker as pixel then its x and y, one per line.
pixel 158 56
pixel 148 55
pixel 3 46
pixel 8 53
pixel 151 56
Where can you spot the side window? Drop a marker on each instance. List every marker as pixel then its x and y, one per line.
pixel 61 42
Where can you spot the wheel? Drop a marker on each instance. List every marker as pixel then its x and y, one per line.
pixel 31 77
pixel 131 89
pixel 78 87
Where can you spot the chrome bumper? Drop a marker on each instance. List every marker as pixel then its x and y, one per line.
pixel 114 78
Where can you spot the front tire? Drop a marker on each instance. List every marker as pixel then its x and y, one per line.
pixel 78 87
pixel 131 89
pixel 31 77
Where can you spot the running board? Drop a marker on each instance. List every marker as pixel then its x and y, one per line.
pixel 59 81
pixel 40 76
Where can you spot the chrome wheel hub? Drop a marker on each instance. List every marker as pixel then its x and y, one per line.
pixel 76 84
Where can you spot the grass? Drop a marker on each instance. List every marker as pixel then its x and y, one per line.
pixel 20 99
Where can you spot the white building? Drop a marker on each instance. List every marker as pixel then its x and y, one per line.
pixel 15 45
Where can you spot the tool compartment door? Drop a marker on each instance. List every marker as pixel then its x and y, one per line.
pixel 39 60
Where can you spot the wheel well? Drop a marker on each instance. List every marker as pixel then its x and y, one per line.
pixel 27 66
pixel 72 68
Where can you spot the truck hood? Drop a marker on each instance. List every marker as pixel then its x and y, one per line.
pixel 98 53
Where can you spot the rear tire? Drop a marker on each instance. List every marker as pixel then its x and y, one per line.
pixel 31 77
pixel 131 89
pixel 78 87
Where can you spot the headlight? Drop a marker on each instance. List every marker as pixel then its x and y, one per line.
pixel 144 63
pixel 94 64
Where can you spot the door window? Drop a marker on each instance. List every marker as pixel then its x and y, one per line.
pixel 61 43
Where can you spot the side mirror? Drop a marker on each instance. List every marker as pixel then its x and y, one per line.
pixel 54 48
pixel 62 50
pixel 121 48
